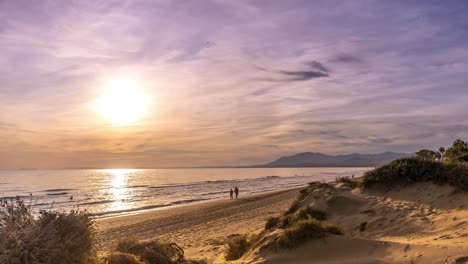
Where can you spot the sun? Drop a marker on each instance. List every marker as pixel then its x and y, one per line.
pixel 123 101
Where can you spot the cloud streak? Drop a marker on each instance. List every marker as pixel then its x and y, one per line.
pixel 393 80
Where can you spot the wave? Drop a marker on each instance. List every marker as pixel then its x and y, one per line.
pixel 138 186
pixel 212 193
pixel 97 202
pixel 147 207
pixel 176 185
pixel 56 194
pixel 22 197
pixel 59 190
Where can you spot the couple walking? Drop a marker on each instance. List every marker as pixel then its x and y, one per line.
pixel 236 191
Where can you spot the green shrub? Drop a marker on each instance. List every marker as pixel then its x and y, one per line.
pixel 463 158
pixel 238 246
pixel 52 237
pixel 410 170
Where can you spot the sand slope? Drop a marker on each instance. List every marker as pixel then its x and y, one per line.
pixel 423 223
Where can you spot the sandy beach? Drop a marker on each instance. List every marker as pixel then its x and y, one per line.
pixel 201 229
pixel 424 223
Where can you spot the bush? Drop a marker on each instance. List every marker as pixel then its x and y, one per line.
pixel 410 170
pixel 52 237
pixel 69 237
pixel 238 246
pixel 134 252
pixel 305 230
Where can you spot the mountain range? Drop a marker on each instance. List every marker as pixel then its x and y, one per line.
pixel 315 159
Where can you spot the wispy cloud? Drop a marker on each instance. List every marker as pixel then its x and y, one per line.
pixel 393 80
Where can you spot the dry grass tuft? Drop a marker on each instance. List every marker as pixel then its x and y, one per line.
pixel 122 258
pixel 304 224
pixel 272 223
pixel 310 213
pixel 237 247
pixel 69 237
pixel 346 181
pixel 52 237
pixel 130 250
pixel 303 231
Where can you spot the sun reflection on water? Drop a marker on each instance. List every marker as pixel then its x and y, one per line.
pixel 119 192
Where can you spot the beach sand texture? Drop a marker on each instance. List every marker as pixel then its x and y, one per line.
pixel 422 223
pixel 202 229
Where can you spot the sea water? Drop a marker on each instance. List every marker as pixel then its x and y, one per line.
pixel 113 192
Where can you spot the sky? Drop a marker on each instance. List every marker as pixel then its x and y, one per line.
pixel 229 82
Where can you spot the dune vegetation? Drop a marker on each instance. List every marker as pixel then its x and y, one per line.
pixel 237 247
pixel 52 237
pixel 297 225
pixel 443 167
pixel 131 251
pixel 412 170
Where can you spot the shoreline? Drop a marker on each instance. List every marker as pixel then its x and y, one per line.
pixel 148 213
pixel 132 213
pixel 201 229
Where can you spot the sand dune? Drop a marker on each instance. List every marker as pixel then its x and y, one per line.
pixel 422 223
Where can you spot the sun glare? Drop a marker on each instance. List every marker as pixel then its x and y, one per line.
pixel 123 102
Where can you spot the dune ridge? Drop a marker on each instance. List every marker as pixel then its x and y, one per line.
pixel 420 223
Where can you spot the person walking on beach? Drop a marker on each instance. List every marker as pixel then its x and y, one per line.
pixel 236 191
pixel 231 193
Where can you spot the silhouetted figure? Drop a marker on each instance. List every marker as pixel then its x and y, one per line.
pixel 236 191
pixel 231 193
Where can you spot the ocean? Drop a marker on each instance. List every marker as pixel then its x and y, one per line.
pixel 111 192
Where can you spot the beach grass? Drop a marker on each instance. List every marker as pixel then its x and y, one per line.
pixel 305 230
pixel 238 246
